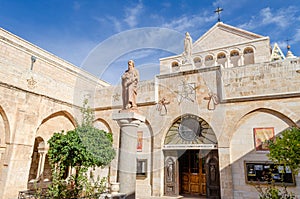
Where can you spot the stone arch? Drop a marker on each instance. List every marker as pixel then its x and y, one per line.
pixel 222 59
pixel 234 57
pixel 4 141
pixel 244 133
pixel 175 66
pixel 61 113
pixel 96 172
pixel 273 112
pixel 197 61
pixel 190 139
pixel 102 125
pixel 145 151
pixel 209 60
pixel 243 143
pixel 173 135
pixel 5 128
pixel 55 122
pixel 248 53
pixel 34 172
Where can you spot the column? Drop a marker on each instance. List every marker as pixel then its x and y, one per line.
pixel 128 122
pixel 225 173
pixel 42 154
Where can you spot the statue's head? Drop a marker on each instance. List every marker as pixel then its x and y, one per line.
pixel 131 62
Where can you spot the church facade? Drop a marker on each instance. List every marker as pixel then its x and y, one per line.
pixel 207 114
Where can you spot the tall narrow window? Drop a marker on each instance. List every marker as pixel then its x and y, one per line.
pixel 248 56
pixel 209 60
pixel 221 59
pixel 197 62
pixel 234 58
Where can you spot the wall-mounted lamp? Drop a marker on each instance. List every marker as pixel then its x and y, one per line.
pixel 33 60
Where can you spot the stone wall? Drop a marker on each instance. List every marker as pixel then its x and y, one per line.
pixel 37 99
pixel 258 80
pixel 48 75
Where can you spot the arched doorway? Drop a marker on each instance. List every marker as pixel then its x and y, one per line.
pixel 191 159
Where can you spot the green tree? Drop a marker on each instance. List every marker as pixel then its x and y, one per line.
pixel 286 149
pixel 79 149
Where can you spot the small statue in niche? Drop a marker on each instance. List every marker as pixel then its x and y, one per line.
pixel 212 173
pixel 170 171
pixel 130 81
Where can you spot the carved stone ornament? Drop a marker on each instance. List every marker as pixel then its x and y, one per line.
pixel 186 91
pixel 161 106
pixel 213 101
pixel 31 83
pixel 116 97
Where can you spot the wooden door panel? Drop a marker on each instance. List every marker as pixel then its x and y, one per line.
pixel 194 179
pixel 185 183
pixel 185 177
pixel 203 184
pixel 195 188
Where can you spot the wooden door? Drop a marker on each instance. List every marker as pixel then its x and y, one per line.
pixel 192 173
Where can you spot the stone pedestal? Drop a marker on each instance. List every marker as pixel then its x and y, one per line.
pixel 128 122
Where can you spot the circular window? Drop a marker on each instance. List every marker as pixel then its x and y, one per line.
pixel 189 129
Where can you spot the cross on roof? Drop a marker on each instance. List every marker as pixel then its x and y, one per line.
pixel 287 44
pixel 219 10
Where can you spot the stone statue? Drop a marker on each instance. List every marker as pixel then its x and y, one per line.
pixel 187 54
pixel 130 80
pixel 170 171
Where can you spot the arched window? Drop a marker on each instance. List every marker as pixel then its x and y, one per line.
pixel 175 64
pixel 221 56
pixel 248 50
pixel 36 157
pixel 234 53
pixel 234 58
pixel 221 59
pixel 248 56
pixel 197 61
pixel 209 60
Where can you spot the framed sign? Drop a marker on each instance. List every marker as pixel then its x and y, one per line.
pixel 268 172
pixel 261 137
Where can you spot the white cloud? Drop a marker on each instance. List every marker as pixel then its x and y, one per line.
pixel 101 58
pixel 132 13
pixel 185 23
pixel 296 37
pixel 116 23
pixel 279 18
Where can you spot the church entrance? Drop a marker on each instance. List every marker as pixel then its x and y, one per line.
pixel 192 175
pixel 199 174
pixel 191 159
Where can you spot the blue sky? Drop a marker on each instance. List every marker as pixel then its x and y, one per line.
pixel 100 36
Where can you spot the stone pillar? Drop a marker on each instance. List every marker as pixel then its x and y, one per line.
pixel 128 122
pixel 41 165
pixel 225 173
pixel 42 151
